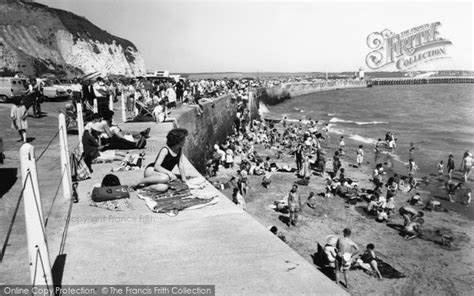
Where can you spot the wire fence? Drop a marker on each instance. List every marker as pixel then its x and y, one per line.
pixel 54 197
pixel 43 269
pixel 28 181
pixel 10 228
pixel 49 144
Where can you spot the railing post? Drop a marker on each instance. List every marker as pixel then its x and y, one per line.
pixel 80 125
pixel 96 107
pixel 40 268
pixel 135 109
pixel 65 165
pixel 124 112
pixel 111 103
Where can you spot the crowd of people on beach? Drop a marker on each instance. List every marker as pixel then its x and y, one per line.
pixel 307 143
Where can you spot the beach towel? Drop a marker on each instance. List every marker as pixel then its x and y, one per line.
pixel 178 197
pixel 172 205
pixel 387 270
pixel 112 205
pixel 154 195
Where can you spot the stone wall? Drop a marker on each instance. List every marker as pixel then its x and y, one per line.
pixel 205 130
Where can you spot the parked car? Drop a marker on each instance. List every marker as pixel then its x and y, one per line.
pixel 66 83
pixel 52 89
pixel 11 88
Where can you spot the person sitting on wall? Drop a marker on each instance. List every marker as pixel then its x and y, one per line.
pixel 160 112
pixel 159 173
pixel 113 135
pixel 92 148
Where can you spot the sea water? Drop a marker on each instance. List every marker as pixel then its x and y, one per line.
pixel 438 119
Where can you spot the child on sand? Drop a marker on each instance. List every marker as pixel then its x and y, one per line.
pixel 440 169
pixel 451 188
pixel 294 205
pixel 311 201
pixel 412 167
pixel 466 165
pixel 415 200
pixel 467 202
pixel 237 198
pixel 342 144
pixel 450 166
pixel 266 180
pixel 360 156
pixel 413 184
pixel 229 158
pixel 18 115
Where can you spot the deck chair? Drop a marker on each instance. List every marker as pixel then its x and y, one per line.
pixel 88 106
pixel 71 120
pixel 142 108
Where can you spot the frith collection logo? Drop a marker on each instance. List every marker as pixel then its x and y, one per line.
pixel 407 49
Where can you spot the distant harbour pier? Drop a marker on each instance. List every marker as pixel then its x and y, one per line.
pixel 420 80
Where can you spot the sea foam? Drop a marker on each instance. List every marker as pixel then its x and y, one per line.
pixel 363 139
pixel 370 122
pixel 335 119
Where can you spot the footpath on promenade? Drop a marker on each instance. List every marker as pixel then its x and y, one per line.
pixel 219 245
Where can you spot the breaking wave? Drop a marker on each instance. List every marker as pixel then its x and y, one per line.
pixel 335 119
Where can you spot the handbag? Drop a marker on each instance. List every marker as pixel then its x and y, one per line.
pixel 79 169
pixel 106 193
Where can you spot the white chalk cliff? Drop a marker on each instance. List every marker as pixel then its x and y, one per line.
pixel 36 39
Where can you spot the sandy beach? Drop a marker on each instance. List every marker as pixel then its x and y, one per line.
pixel 428 267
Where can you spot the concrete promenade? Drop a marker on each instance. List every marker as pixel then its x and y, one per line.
pixel 217 245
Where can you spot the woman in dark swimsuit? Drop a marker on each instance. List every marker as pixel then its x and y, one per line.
pixel 159 173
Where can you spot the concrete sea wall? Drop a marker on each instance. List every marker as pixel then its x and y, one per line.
pixel 205 130
pixel 277 94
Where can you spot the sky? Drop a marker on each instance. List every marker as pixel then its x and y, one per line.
pixel 264 36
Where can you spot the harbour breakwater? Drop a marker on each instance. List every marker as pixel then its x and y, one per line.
pixel 425 80
pixel 277 94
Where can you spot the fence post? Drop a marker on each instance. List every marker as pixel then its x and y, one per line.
pixel 65 165
pixel 124 113
pixel 96 107
pixel 111 103
pixel 135 109
pixel 80 125
pixel 40 268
